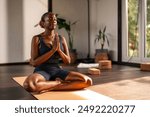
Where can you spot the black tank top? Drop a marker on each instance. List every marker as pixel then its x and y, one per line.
pixel 43 48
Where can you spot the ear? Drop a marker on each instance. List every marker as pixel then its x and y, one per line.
pixel 41 24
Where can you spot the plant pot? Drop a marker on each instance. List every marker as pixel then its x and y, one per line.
pixel 73 55
pixel 101 54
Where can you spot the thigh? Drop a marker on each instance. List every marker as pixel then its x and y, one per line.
pixel 42 74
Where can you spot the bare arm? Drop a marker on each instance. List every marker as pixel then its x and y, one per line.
pixel 35 58
pixel 64 55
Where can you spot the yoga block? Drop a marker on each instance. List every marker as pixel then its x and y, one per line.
pixel 94 71
pixel 145 66
pixel 105 64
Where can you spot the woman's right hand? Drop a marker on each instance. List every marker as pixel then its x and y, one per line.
pixel 56 43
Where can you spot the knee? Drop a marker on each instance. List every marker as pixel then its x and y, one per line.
pixel 30 84
pixel 26 84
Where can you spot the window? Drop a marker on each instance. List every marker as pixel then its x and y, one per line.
pixel 136 30
pixel 133 28
pixel 148 29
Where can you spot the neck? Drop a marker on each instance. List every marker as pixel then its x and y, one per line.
pixel 49 32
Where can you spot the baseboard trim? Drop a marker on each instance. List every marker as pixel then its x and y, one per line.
pixel 127 63
pixel 16 63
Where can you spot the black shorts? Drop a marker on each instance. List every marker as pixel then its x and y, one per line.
pixel 50 73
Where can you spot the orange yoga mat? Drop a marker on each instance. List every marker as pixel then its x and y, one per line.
pixel 84 94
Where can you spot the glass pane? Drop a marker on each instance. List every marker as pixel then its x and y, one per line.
pixel 133 28
pixel 148 30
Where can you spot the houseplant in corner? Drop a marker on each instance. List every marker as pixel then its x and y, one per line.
pixel 67 25
pixel 102 38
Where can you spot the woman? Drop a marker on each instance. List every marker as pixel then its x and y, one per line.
pixel 46 49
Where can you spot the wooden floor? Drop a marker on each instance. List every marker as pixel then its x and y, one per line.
pixel 10 90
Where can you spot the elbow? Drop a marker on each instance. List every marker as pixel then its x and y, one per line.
pixel 68 61
pixel 32 63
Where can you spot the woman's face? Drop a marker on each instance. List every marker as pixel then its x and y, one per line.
pixel 50 22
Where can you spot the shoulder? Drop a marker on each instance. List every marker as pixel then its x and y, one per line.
pixel 35 38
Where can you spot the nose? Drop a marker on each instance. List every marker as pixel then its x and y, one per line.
pixel 54 22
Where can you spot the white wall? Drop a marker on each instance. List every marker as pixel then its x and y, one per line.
pixel 3 31
pixel 17 21
pixel 102 12
pixel 33 10
pixel 75 10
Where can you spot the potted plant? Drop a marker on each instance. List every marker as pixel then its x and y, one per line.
pixel 67 25
pixel 102 38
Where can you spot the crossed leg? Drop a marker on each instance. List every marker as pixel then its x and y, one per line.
pixel 74 81
pixel 37 83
